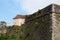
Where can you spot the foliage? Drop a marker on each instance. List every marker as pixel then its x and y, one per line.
pixel 27 30
pixel 3 23
pixel 14 34
pixel 13 37
pixel 21 37
pixel 7 37
pixel 36 24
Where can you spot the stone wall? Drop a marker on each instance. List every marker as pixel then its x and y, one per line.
pixel 38 26
pixel 43 24
pixel 56 27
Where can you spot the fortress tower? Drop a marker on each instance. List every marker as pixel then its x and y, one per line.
pixel 19 20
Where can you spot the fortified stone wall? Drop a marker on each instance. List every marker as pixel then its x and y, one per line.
pixel 39 25
pixel 56 22
pixel 56 26
pixel 43 24
pixel 40 28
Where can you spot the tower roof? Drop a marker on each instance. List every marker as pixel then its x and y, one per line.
pixel 19 17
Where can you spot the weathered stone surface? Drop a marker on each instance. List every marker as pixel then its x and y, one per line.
pixel 43 24
pixel 56 8
pixel 57 28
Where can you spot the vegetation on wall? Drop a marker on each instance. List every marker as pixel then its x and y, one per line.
pixel 36 24
pixel 27 30
pixel 13 33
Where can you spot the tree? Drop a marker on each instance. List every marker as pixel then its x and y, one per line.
pixel 3 23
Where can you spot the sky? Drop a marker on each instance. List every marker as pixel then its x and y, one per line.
pixel 10 8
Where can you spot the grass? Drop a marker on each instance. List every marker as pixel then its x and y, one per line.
pixel 7 38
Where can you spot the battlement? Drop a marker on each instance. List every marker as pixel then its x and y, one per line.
pixel 53 8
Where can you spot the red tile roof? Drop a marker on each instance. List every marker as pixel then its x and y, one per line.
pixel 19 16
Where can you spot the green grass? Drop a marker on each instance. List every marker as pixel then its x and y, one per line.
pixel 7 38
pixel 10 38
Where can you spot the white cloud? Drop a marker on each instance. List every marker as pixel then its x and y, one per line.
pixel 57 2
pixel 33 5
pixel 30 6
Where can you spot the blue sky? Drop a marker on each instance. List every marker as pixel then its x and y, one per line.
pixel 10 8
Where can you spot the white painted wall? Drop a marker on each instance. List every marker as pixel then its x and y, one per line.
pixel 19 22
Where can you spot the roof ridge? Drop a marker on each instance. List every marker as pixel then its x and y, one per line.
pixel 19 16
